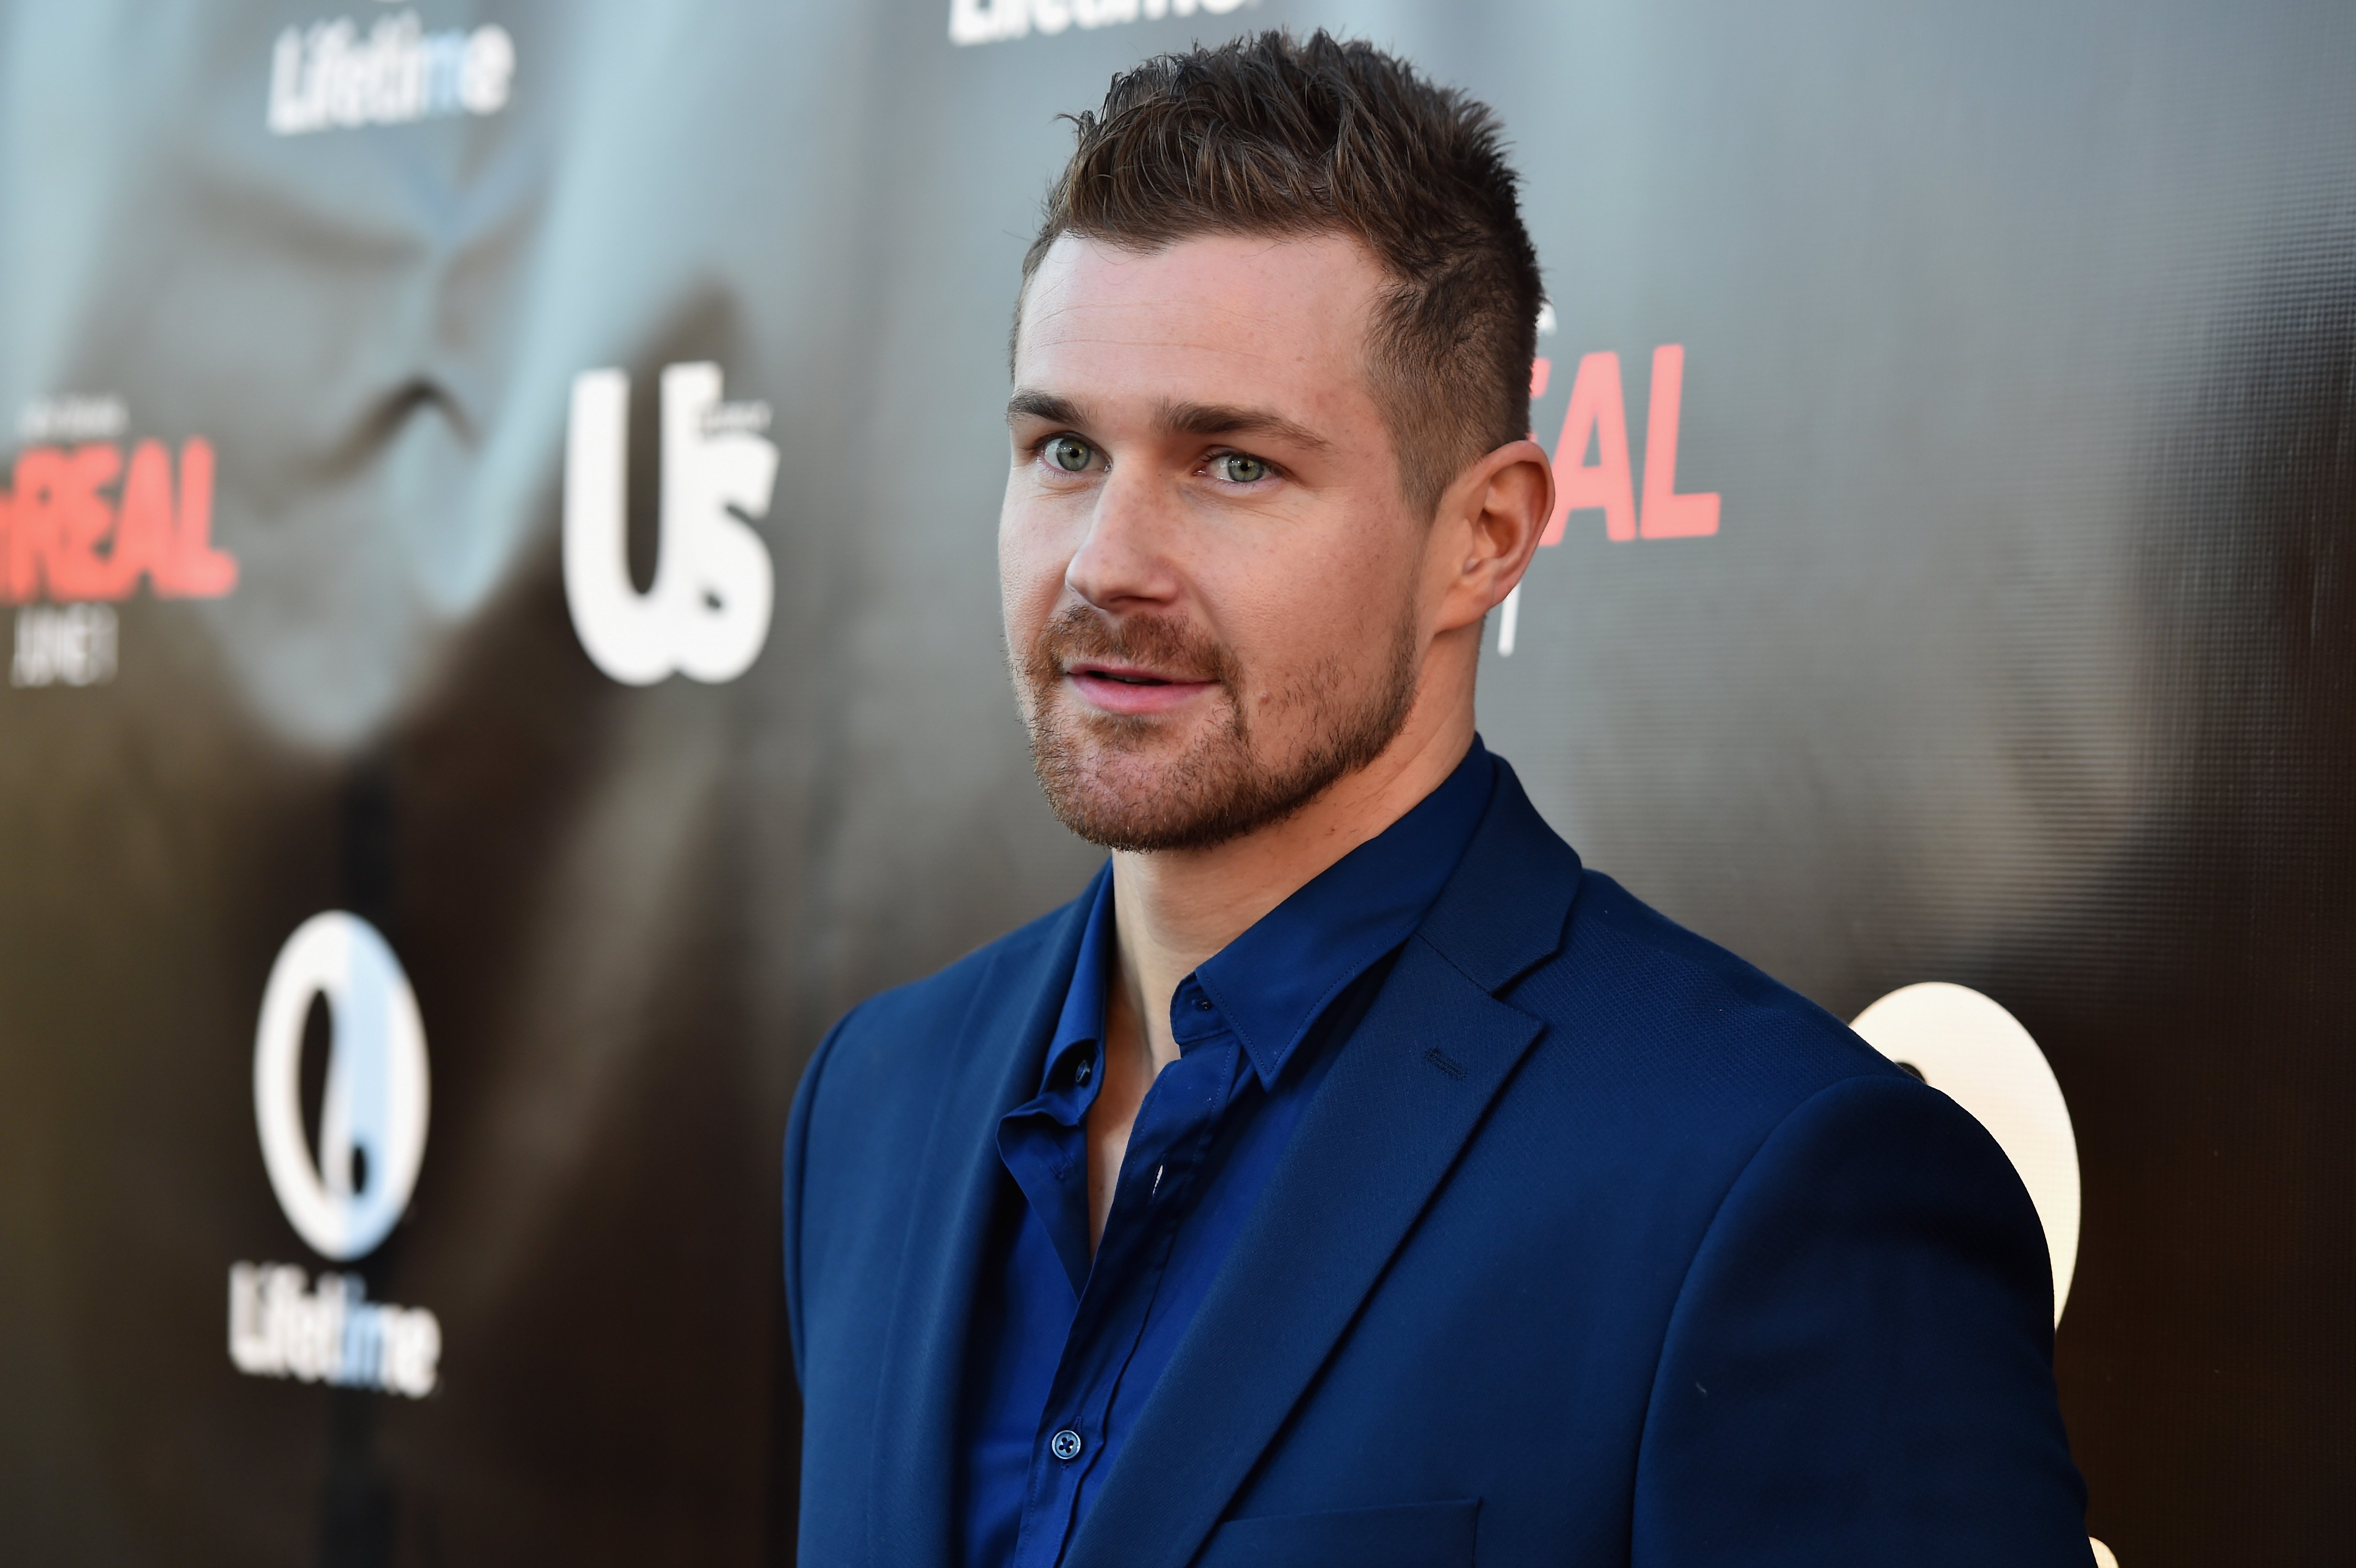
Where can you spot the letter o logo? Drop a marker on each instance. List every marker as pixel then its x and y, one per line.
pixel 1966 1045
pixel 372 1123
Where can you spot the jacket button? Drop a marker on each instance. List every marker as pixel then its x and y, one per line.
pixel 1064 1445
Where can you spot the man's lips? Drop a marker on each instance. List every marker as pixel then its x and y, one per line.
pixel 1127 688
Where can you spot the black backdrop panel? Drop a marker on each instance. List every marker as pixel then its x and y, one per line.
pixel 651 719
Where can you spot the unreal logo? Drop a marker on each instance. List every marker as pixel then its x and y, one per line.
pixel 1597 420
pixel 371 1140
pixel 85 519
pixel 707 612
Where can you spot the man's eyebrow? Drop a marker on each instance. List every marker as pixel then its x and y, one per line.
pixel 1046 407
pixel 1219 419
pixel 1182 419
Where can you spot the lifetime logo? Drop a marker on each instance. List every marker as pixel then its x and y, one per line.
pixel 344 1201
pixel 707 613
pixel 1966 1045
pixel 331 77
pixel 1000 21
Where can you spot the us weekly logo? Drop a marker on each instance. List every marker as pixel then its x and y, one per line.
pixel 344 1190
pixel 706 614
pixel 86 516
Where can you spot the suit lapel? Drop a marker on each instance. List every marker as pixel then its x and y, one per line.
pixel 1406 1095
pixel 996 1067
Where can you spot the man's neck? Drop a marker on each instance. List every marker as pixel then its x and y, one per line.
pixel 1172 909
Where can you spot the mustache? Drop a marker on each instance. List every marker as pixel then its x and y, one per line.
pixel 1166 645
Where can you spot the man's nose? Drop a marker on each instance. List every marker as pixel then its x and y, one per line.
pixel 1124 559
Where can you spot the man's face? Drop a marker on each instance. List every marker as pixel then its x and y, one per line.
pixel 1210 576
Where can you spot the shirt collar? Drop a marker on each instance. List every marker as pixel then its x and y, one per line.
pixel 1272 984
pixel 1082 1020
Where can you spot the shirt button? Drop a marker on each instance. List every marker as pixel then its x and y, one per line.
pixel 1082 1074
pixel 1202 1004
pixel 1064 1445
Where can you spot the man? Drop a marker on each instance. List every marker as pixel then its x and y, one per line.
pixel 1347 1176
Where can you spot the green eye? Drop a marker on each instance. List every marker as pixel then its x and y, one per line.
pixel 1070 454
pixel 1238 469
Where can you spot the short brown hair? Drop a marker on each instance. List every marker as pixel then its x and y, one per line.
pixel 1276 135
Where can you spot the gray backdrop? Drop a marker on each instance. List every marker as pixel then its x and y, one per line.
pixel 2020 345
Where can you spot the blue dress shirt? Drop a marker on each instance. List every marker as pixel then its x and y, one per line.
pixel 1066 1349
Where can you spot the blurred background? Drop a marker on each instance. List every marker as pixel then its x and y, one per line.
pixel 652 718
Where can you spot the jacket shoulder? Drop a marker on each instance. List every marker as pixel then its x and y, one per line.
pixel 1683 1061
pixel 1684 1016
pixel 871 1091
pixel 916 1025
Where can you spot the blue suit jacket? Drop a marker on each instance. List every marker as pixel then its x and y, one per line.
pixel 1597 1246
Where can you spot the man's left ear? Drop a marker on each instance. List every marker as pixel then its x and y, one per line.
pixel 1494 513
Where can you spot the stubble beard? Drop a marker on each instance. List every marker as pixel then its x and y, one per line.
pixel 1103 778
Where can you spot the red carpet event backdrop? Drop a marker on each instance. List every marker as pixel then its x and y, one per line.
pixel 496 530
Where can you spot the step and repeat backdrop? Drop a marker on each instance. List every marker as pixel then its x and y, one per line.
pixel 497 513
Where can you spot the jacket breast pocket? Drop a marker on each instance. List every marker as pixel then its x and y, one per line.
pixel 1416 1535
